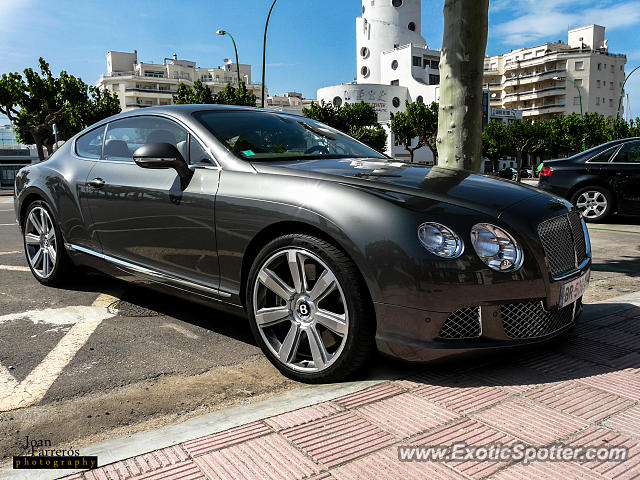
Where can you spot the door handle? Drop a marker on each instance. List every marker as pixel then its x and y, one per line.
pixel 96 183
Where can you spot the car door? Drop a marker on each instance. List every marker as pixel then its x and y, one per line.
pixel 625 167
pixel 146 217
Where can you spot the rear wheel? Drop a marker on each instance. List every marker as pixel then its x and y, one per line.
pixel 308 311
pixel 594 203
pixel 43 245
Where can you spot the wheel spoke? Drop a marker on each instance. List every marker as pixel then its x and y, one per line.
pixel 36 223
pixel 45 263
pixel 36 257
pixel 274 283
pixel 51 234
pixel 289 347
pixel 268 317
pixel 333 321
pixel 324 285
pixel 318 350
pixel 32 239
pixel 43 221
pixel 51 253
pixel 296 266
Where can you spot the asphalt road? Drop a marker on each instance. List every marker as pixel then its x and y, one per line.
pixel 101 358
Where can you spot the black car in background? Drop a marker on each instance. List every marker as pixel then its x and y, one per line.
pixel 599 181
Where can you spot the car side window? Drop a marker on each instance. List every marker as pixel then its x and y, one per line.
pixel 602 157
pixel 197 154
pixel 125 136
pixel 629 153
pixel 89 145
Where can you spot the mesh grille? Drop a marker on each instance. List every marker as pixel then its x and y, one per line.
pixel 563 242
pixel 530 319
pixel 579 241
pixel 463 323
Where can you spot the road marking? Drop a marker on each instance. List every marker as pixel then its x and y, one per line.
pixel 10 253
pixel 104 300
pixel 14 268
pixel 613 230
pixel 33 388
pixel 181 330
pixel 8 210
pixel 8 224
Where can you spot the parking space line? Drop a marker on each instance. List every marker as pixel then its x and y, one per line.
pixel 14 268
pixel 33 388
pixel 104 300
pixel 10 253
pixel 613 230
pixel 8 224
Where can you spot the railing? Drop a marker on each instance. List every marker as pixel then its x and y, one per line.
pixel 543 107
pixel 534 91
pixel 537 74
pixel 149 90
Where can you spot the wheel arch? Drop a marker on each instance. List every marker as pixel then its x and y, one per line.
pixel 33 195
pixel 275 230
pixel 595 183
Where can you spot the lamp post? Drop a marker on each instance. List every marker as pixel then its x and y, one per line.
pixel 224 32
pixel 622 90
pixel 584 146
pixel 264 51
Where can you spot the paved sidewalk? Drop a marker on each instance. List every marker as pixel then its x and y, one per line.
pixel 583 391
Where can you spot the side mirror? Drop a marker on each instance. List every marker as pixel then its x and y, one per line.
pixel 162 155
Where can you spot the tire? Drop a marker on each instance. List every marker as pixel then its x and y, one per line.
pixel 318 327
pixel 595 203
pixel 44 247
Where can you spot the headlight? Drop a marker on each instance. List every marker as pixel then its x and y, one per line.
pixel 496 248
pixel 440 240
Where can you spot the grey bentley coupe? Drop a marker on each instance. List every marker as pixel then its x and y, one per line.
pixel 331 249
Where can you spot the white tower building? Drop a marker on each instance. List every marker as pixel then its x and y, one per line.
pixel 385 25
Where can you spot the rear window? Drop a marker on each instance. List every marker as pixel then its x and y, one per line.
pixel 264 136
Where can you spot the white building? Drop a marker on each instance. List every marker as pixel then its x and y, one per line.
pixel 143 84
pixel 13 156
pixel 395 65
pixel 291 102
pixel 539 80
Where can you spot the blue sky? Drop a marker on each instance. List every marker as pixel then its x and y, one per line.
pixel 311 42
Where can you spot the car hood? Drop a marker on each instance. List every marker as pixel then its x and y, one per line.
pixel 466 189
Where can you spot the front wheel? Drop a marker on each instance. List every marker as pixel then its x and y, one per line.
pixel 308 310
pixel 594 203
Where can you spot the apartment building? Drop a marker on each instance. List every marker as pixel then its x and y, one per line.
pixel 144 84
pixel 556 77
pixel 291 102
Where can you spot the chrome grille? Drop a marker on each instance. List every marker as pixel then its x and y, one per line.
pixel 531 320
pixel 463 323
pixel 563 242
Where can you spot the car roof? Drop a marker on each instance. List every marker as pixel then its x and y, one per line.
pixel 187 110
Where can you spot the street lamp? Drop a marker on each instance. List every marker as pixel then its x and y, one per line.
pixel 622 90
pixel 584 146
pixel 264 50
pixel 224 32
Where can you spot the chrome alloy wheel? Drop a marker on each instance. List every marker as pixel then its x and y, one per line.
pixel 592 203
pixel 300 310
pixel 41 243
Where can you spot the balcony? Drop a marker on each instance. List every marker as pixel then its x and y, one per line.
pixel 533 94
pixel 149 90
pixel 533 77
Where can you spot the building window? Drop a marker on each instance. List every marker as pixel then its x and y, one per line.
pixel 598 83
pixel 597 100
pixel 394 65
pixel 115 87
pixel 622 68
pixel 364 51
pixel 396 3
pixel 337 101
pixel 396 102
pixel 434 79
pixel 412 26
pixel 610 85
pixel 364 71
pixel 612 67
pixel 578 81
pixel 611 102
pixel 599 66
pixel 417 61
pixel 420 99
pixel 576 100
pixel 579 65
pixel 435 64
pixel 395 83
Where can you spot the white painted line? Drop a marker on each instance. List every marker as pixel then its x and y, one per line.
pixel 8 224
pixel 32 389
pixel 14 268
pixel 104 300
pixel 10 253
pixel 8 210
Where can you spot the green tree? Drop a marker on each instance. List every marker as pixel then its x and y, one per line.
pixel 236 96
pixel 198 94
pixel 358 120
pixel 417 121
pixel 494 142
pixel 35 102
pixel 524 137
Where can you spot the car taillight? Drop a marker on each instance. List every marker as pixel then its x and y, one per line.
pixel 546 171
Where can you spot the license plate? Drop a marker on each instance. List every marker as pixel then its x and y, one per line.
pixel 572 291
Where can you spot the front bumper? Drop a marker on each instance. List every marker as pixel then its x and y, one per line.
pixel 419 335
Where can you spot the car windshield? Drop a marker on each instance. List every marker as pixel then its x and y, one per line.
pixel 265 136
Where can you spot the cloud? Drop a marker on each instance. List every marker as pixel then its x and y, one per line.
pixel 559 15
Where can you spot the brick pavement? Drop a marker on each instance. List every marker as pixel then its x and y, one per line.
pixel 584 391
